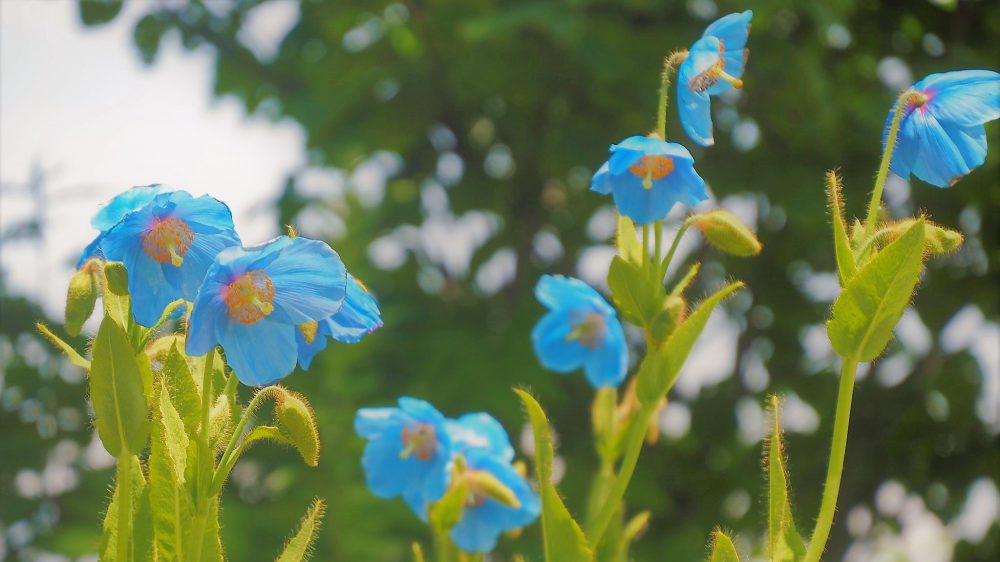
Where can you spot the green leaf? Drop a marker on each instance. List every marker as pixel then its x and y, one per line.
pixel 418 552
pixel 295 418
pixel 723 549
pixel 846 267
pixel 633 293
pixel 299 546
pixel 98 12
pixel 73 356
pixel 116 390
pixel 175 440
pixel 871 304
pixel 172 506
pixel 177 379
pixel 564 540
pixel 627 242
pixel 447 511
pixel 148 33
pixel 141 524
pixel 661 366
pixel 784 542
pixel 117 303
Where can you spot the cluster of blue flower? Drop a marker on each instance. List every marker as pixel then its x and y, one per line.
pixel 415 452
pixel 269 306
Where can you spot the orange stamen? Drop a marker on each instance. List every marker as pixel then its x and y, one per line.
pixel 167 240
pixel 249 298
pixel 652 167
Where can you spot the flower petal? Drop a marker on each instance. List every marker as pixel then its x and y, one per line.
pixel 310 282
pixel 965 98
pixel 608 364
pixel 560 292
pixel 260 353
pixel 601 183
pixel 553 349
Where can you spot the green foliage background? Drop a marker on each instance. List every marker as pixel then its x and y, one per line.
pixel 554 82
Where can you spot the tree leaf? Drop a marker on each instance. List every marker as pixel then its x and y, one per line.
pixel 116 390
pixel 632 292
pixel 846 267
pixel 723 549
pixel 564 540
pixel 98 12
pixel 661 366
pixel 870 306
pixel 299 547
pixel 784 542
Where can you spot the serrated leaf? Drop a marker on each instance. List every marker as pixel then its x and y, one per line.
pixel 299 546
pixel 633 293
pixel 71 354
pixel 660 367
pixel 627 242
pixel 563 538
pixel 784 542
pixel 117 393
pixel 723 549
pixel 846 267
pixel 180 383
pixel 870 306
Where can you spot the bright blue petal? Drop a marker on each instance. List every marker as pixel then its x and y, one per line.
pixel 939 161
pixel 643 205
pixel 260 353
pixel 971 98
pixel 480 431
pixel 386 473
pixel 553 349
pixel 122 204
pixel 416 502
pixel 205 214
pixel 608 364
pixel 358 317
pixel 209 317
pixel 425 412
pixel 688 185
pixel 307 350
pixel 93 250
pixel 310 281
pixel 150 290
pixel 198 258
pixel 371 423
pixel 601 183
pixel 559 292
pixel 649 146
pixel 481 525
pixel 694 108
pixel 731 29
pixel 621 160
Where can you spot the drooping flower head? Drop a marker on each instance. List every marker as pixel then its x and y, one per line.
pixel 253 301
pixel 647 176
pixel 358 317
pixel 167 246
pixel 941 135
pixel 484 518
pixel 714 64
pixel 580 330
pixel 114 211
pixel 408 451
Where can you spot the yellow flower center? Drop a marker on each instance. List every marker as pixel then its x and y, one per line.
pixel 168 240
pixel 249 298
pixel 420 441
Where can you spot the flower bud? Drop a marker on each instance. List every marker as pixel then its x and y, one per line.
pixel 294 417
pixel 724 231
pixel 220 424
pixel 81 298
pixel 483 484
pixel 937 239
pixel 116 277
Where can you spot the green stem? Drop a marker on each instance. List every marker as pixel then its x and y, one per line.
pixel 633 446
pixel 669 65
pixel 883 169
pixel 124 507
pixel 677 240
pixel 205 459
pixel 228 459
pixel 657 244
pixel 645 245
pixel 831 489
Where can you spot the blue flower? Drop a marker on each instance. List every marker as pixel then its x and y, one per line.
pixel 484 518
pixel 713 65
pixel 253 301
pixel 580 329
pixel 408 450
pixel 358 317
pixel 941 135
pixel 109 215
pixel 647 176
pixel 167 246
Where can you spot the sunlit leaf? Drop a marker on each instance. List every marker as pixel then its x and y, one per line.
pixel 116 391
pixel 299 546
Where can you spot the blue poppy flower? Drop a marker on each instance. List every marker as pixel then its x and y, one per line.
pixel 408 450
pixel 941 135
pixel 113 212
pixel 480 431
pixel 713 65
pixel 580 330
pixel 484 518
pixel 253 300
pixel 647 176
pixel 167 246
pixel 358 317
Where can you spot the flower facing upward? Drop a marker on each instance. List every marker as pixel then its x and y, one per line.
pixel 408 450
pixel 111 214
pixel 484 518
pixel 647 176
pixel 580 330
pixel 358 317
pixel 253 301
pixel 713 65
pixel 941 135
pixel 167 245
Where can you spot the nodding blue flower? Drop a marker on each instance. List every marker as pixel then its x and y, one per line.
pixel 484 518
pixel 358 317
pixel 941 135
pixel 408 451
pixel 253 301
pixel 580 330
pixel 113 212
pixel 713 65
pixel 647 176
pixel 167 245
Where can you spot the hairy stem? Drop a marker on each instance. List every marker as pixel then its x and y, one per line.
pixel 228 459
pixel 673 246
pixel 124 507
pixel 205 458
pixel 835 468
pixel 669 65
pixel 883 169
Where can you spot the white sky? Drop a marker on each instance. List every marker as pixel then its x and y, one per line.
pixel 79 103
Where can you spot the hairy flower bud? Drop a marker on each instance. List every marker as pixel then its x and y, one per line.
pixel 294 417
pixel 724 231
pixel 81 298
